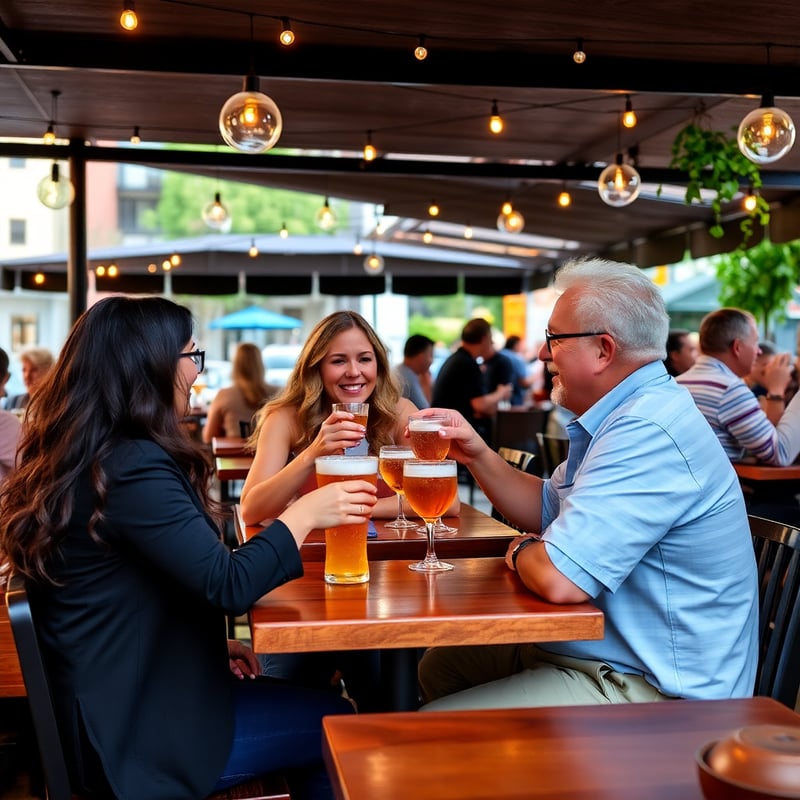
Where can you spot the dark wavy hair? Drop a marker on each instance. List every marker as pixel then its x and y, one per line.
pixel 114 380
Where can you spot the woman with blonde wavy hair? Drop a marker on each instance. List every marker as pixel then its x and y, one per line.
pixel 342 361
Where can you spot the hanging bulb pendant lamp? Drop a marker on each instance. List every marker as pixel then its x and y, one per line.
pixel 216 215
pixel 767 133
pixel 619 184
pixel 325 216
pixel 54 190
pixel 250 122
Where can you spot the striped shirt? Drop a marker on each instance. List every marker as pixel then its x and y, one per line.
pixel 736 417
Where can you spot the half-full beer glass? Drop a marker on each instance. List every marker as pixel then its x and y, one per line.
pixel 346 545
pixel 430 487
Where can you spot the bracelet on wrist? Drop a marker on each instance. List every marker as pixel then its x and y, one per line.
pixel 771 396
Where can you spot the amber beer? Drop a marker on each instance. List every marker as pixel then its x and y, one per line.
pixel 346 545
pixel 391 466
pixel 360 411
pixel 430 486
pixel 424 435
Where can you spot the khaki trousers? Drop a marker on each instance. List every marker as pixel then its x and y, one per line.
pixel 514 676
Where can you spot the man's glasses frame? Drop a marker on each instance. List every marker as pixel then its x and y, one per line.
pixel 550 337
pixel 199 358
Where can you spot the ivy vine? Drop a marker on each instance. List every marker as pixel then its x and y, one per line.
pixel 713 161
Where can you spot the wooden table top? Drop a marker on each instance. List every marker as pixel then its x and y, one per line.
pixel 229 446
pixel 477 535
pixel 614 752
pixel 481 601
pixel 233 468
pixel 764 472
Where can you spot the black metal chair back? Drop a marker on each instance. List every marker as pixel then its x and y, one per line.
pixel 519 459
pixel 37 687
pixel 552 451
pixel 777 548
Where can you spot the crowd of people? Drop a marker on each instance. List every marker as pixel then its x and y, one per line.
pixel 108 511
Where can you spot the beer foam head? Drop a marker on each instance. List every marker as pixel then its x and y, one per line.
pixel 427 423
pixel 396 451
pixel 429 469
pixel 346 465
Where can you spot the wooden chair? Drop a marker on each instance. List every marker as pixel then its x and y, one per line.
pixel 777 548
pixel 552 450
pixel 51 753
pixel 519 459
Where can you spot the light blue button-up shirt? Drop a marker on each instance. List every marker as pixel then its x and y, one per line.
pixel 647 516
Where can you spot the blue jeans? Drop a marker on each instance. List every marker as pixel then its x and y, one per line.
pixel 278 726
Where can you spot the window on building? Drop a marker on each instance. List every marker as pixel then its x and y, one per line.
pixel 24 331
pixel 133 216
pixel 17 231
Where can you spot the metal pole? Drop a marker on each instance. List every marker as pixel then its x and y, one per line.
pixel 77 261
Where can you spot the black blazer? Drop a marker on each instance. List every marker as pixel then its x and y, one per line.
pixel 135 637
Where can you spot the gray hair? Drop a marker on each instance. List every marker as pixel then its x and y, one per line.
pixel 620 299
pixel 719 329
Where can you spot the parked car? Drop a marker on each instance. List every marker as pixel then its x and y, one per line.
pixel 279 361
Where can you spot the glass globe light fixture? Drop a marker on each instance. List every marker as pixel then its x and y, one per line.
pixel 249 121
pixel 619 184
pixel 766 133
pixel 54 190
pixel 513 222
pixel 325 218
pixel 373 264
pixel 216 215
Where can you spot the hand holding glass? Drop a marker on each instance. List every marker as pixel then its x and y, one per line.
pixel 360 412
pixel 430 488
pixel 346 545
pixel 391 465
pixel 423 432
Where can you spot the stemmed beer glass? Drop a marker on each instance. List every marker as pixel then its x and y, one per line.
pixel 392 457
pixel 423 431
pixel 430 487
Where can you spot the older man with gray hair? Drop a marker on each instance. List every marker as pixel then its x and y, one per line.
pixel 645 519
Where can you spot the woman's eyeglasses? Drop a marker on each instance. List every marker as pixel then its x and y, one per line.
pixel 197 356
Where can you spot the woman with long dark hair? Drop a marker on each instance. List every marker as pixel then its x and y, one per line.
pixel 107 517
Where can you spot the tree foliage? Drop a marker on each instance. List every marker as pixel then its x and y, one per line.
pixel 760 280
pixel 254 209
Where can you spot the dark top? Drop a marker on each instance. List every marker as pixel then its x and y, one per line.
pixel 519 372
pixel 459 380
pixel 17 401
pixel 499 369
pixel 136 638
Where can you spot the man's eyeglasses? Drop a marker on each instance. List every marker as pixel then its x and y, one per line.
pixel 198 356
pixel 549 337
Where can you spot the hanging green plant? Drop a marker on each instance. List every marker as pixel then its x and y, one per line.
pixel 713 161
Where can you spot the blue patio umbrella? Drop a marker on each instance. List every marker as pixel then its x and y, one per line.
pixel 255 318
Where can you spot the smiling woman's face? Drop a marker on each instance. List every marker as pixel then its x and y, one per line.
pixel 349 369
